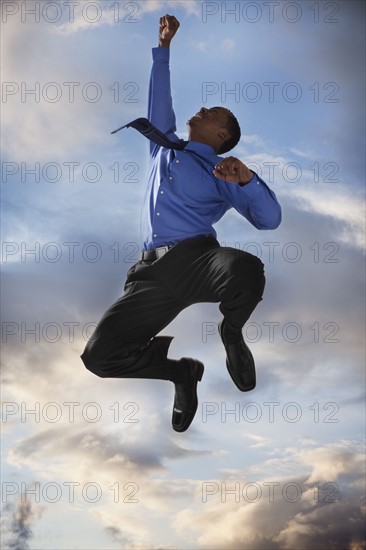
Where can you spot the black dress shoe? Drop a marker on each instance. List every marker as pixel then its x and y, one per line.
pixel 239 361
pixel 185 399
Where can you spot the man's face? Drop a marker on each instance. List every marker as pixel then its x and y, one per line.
pixel 207 121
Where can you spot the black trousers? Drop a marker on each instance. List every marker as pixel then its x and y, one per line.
pixel 196 270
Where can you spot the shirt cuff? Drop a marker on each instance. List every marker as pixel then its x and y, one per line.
pixel 160 54
pixel 252 187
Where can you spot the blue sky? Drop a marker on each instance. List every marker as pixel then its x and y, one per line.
pixel 292 449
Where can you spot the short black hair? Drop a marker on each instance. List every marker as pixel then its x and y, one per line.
pixel 232 125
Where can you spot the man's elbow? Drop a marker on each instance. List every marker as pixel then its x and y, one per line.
pixel 276 222
pixel 273 221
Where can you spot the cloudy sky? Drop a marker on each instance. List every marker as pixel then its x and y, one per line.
pixel 94 463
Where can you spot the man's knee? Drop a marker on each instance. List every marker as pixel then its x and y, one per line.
pixel 99 357
pixel 91 360
pixel 234 258
pixel 257 280
pixel 247 272
pixel 247 265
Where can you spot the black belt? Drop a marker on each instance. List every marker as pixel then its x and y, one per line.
pixel 156 253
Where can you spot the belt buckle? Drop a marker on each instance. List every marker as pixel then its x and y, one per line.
pixel 161 250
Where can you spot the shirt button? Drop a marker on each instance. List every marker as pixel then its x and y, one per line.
pixel 177 161
pixel 155 235
pixel 170 177
pixel 257 182
pixel 158 213
pixel 161 192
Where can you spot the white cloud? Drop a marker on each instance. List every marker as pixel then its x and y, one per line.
pixel 252 139
pixel 227 45
pixel 259 441
pixel 191 7
pixel 332 462
pixel 89 18
pixel 344 208
pixel 303 154
pixel 202 45
pixel 294 513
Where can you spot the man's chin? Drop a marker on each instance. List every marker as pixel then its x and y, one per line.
pixel 192 120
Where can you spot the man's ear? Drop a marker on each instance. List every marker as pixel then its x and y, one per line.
pixel 224 135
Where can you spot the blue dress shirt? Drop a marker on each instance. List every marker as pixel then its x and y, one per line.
pixel 183 198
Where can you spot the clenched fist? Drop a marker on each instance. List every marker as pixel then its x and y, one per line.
pixel 233 170
pixel 168 26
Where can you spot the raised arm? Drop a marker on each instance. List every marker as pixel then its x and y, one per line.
pixel 160 105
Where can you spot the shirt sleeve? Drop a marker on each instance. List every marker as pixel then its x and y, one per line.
pixel 255 201
pixel 160 104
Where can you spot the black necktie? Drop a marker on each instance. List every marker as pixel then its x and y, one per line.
pixel 152 133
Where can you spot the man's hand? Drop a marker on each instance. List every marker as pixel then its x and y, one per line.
pixel 233 170
pixel 167 29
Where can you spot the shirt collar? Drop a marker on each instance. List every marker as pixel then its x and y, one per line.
pixel 199 147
